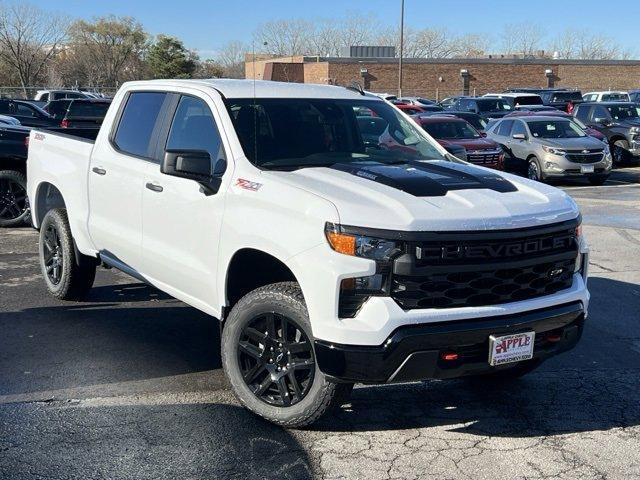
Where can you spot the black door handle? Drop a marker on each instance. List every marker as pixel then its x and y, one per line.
pixel 99 171
pixel 153 187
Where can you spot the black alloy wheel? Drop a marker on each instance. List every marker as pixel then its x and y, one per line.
pixel 276 359
pixel 53 254
pixel 13 200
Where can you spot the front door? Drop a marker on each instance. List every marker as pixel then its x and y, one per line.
pixel 181 223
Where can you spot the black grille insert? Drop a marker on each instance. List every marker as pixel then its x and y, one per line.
pixel 485 268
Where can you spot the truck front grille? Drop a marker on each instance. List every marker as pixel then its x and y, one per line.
pixel 485 268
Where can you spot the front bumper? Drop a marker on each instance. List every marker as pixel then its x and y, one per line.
pixel 413 353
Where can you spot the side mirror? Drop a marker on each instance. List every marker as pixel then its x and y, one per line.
pixel 519 136
pixel 602 121
pixel 194 165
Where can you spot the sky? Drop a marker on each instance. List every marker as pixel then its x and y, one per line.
pixel 206 25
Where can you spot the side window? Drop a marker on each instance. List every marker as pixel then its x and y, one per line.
pixel 44 98
pixel 137 123
pixel 463 104
pixel 583 113
pixel 194 128
pixel 504 128
pixel 518 127
pixel 599 112
pixel 24 111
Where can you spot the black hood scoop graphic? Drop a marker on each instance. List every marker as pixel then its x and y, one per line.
pixel 423 179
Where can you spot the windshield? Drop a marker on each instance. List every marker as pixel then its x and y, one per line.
pixel 623 112
pixel 290 133
pixel 615 97
pixel 492 105
pixel 527 100
pixel 476 121
pixel 453 130
pixel 555 129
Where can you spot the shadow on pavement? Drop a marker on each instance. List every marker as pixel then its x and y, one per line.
pixel 201 441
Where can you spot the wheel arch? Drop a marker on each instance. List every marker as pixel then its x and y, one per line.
pixel 48 197
pixel 251 268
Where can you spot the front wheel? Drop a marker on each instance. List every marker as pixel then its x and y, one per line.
pixel 68 274
pixel 534 172
pixel 268 356
pixel 14 204
pixel 620 152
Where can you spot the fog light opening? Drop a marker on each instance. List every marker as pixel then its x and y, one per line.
pixel 449 356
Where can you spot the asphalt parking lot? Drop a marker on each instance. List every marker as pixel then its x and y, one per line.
pixel 128 385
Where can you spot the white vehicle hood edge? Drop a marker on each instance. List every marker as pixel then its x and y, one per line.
pixel 364 202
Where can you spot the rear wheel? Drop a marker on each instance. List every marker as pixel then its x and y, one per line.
pixel 534 172
pixel 68 275
pixel 267 353
pixel 14 204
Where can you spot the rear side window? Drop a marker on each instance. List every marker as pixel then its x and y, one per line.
pixel 194 128
pixel 137 123
pixel 504 128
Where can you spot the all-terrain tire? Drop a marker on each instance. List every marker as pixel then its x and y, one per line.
pixel 284 299
pixel 75 272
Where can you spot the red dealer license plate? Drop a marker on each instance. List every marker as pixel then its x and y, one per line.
pixel 511 348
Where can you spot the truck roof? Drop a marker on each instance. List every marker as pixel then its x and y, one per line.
pixel 231 88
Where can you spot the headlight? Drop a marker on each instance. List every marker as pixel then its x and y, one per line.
pixel 553 151
pixel 359 245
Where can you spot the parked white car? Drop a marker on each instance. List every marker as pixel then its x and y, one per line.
pixel 331 254
pixel 45 96
pixel 518 99
pixel 608 96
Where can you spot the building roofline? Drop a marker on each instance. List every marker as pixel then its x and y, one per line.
pixel 467 61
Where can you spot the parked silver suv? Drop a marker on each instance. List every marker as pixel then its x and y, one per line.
pixel 553 147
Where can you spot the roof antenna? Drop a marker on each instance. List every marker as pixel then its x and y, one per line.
pixel 356 87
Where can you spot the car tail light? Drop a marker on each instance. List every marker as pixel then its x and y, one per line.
pixel 449 356
pixel 26 142
pixel 64 123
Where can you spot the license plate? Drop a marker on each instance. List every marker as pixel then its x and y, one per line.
pixel 586 169
pixel 511 348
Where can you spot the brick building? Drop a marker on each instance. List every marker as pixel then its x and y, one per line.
pixel 437 78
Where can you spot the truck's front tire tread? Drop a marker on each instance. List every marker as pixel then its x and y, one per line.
pixel 78 272
pixel 323 396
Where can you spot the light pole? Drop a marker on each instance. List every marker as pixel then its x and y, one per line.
pixel 401 48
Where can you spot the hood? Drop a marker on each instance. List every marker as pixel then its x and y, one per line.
pixel 431 196
pixel 497 114
pixel 571 143
pixel 470 143
pixel 628 123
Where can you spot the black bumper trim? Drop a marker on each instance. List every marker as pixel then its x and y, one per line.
pixel 413 352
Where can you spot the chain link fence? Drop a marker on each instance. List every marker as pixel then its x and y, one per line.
pixel 19 92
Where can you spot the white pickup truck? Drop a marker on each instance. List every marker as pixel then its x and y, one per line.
pixel 332 251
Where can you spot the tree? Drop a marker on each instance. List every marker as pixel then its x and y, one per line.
pixel 29 37
pixel 168 58
pixel 284 37
pixel 231 59
pixel 210 69
pixel 106 51
pixel 577 44
pixel 522 38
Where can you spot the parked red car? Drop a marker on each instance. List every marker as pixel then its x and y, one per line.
pixel 449 130
pixel 589 131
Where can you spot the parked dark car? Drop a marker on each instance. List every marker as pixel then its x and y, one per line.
pixel 564 100
pixel 535 108
pixel 449 130
pixel 450 102
pixel 486 107
pixel 619 122
pixel 537 91
pixel 476 121
pixel 14 206
pixel 515 100
pixel 78 113
pixel 29 115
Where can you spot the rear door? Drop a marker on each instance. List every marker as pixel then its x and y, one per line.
pixel 181 223
pixel 116 177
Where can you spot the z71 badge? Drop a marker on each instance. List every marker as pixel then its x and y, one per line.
pixel 248 185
